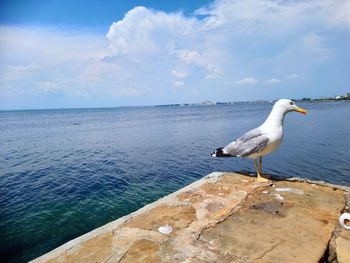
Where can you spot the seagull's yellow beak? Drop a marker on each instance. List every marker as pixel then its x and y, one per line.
pixel 301 110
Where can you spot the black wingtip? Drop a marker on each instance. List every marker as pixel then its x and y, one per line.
pixel 219 153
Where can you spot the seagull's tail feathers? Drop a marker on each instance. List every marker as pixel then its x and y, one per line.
pixel 220 153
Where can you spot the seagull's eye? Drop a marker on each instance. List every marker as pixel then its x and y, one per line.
pixel 291 103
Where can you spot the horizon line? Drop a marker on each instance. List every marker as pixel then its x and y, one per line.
pixel 203 103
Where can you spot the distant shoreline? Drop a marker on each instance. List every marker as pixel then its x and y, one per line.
pixel 204 103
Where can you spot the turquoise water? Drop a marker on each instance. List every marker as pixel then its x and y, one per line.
pixel 66 172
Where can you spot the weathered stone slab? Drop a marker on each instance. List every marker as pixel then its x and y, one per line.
pixel 221 218
pixel 279 226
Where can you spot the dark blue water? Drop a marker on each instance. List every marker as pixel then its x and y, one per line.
pixel 65 172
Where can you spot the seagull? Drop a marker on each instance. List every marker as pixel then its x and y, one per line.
pixel 262 140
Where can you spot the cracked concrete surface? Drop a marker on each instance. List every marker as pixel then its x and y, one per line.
pixel 223 217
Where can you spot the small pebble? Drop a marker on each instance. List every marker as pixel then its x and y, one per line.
pixel 212 245
pixel 166 229
pixel 265 192
pixel 279 197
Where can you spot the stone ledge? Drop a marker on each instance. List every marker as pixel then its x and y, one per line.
pixel 223 217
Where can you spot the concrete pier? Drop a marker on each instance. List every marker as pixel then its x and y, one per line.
pixel 224 217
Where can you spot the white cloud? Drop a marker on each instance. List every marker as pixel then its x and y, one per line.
pixel 177 83
pixel 295 76
pixel 194 57
pixel 125 92
pixel 45 60
pixel 195 92
pixel 314 46
pixel 47 87
pixel 340 13
pixel 50 46
pixel 19 72
pixel 272 81
pixel 246 81
pixel 146 35
pixel 211 76
pixel 144 31
pixel 215 73
pixel 190 56
pixel 253 15
pixel 179 74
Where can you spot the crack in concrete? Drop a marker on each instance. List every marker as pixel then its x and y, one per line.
pixel 123 256
pixel 232 211
pixel 269 250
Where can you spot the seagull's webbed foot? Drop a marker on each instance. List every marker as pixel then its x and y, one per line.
pixel 261 179
pixel 258 169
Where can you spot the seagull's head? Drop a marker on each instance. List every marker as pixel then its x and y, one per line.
pixel 286 105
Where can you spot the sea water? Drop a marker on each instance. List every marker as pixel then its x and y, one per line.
pixel 66 172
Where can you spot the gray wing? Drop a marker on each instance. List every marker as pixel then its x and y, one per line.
pixel 253 141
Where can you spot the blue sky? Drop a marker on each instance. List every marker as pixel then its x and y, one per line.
pixel 64 54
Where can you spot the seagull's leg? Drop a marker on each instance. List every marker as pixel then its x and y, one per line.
pixel 260 178
pixel 256 168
